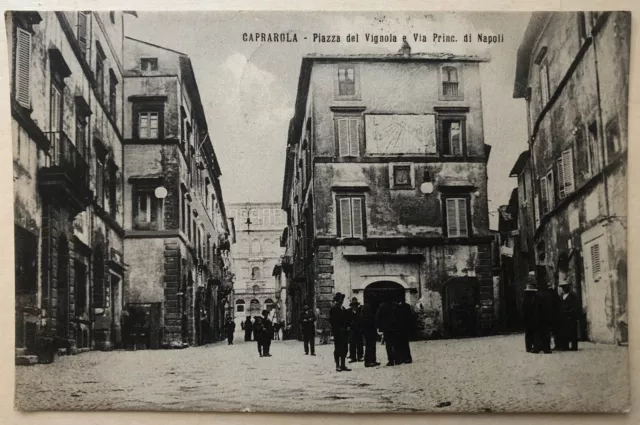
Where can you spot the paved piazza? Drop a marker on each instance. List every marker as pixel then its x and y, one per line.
pixel 480 374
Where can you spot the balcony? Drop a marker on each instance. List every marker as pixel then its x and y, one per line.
pixel 66 176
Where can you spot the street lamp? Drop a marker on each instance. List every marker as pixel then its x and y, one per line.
pixel 248 222
pixel 427 185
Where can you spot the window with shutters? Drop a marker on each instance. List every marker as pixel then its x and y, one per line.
pixel 544 84
pixel 612 134
pixel 457 217
pixel 451 83
pixel 83 31
pixel 55 105
pixel 348 135
pixel 595 260
pixel 113 94
pixel 544 201
pixel 100 58
pixel 593 148
pixel 351 216
pixel 26 261
pixel 565 174
pixel 22 68
pixel 100 186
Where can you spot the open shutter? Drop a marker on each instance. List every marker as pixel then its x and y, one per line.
pixel 561 177
pixel 567 163
pixel 356 206
pixel 345 217
pixel 354 137
pixel 595 261
pixel 452 218
pixel 543 195
pixel 551 190
pixel 343 136
pixel 23 67
pixel 462 218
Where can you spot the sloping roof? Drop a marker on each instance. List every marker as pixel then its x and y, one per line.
pixel 525 52
pixel 520 163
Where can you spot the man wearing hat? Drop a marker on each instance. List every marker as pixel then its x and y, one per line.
pixel 267 334
pixel 529 312
pixel 308 325
pixel 339 320
pixel 356 346
pixel 569 313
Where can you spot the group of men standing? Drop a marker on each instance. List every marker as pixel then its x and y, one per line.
pixel 548 314
pixel 355 331
pixel 261 330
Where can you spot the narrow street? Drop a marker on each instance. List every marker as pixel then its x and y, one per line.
pixel 482 374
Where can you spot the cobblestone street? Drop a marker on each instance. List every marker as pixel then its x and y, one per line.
pixel 484 374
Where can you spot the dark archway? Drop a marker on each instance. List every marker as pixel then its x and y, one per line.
pixel 378 292
pixel 460 307
pixel 63 287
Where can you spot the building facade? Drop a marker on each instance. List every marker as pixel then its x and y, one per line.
pixel 67 125
pixel 177 236
pixel 385 188
pixel 572 70
pixel 255 256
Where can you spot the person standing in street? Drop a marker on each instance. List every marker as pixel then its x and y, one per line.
pixel 248 328
pixel 356 346
pixel 339 320
pixel 402 316
pixel 370 334
pixel 529 313
pixel 257 333
pixel 230 328
pixel 267 334
pixel 569 313
pixel 384 324
pixel 308 324
pixel 546 306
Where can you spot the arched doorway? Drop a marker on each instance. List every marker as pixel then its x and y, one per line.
pixel 460 307
pixel 254 308
pixel 378 292
pixel 63 288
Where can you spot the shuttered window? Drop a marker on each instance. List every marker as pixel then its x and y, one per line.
pixel 456 211
pixel 349 136
pixel 22 67
pixel 351 217
pixel 565 174
pixel 543 195
pixel 595 259
pixel 551 193
pixel 82 32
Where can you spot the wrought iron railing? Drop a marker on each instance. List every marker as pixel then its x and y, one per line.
pixel 450 89
pixel 66 157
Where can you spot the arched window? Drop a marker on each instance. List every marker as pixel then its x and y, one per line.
pixel 450 81
pixel 268 304
pixel 255 246
pixel 239 306
pixel 266 245
pixel 254 307
pixel 255 273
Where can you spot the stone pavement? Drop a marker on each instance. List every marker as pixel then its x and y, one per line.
pixel 480 374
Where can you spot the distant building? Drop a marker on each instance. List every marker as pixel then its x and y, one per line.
pixel 177 236
pixel 67 125
pixel 385 188
pixel 255 255
pixel 573 71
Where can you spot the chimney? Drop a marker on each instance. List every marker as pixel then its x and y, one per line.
pixel 405 49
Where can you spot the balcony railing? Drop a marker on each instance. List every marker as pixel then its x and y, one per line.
pixel 66 157
pixel 450 89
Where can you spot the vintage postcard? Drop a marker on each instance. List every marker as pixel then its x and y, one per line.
pixel 320 211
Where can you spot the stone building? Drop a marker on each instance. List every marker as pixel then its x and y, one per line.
pixel 177 235
pixel 67 121
pixel 573 71
pixel 255 255
pixel 385 187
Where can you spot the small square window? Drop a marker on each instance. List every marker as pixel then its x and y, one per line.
pixel 401 176
pixel 149 64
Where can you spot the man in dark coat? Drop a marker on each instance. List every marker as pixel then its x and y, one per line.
pixel 230 327
pixel 258 330
pixel 248 328
pixel 546 313
pixel 339 320
pixel 308 325
pixel 370 334
pixel 385 324
pixel 529 313
pixel 267 334
pixel 356 346
pixel 569 313
pixel 402 316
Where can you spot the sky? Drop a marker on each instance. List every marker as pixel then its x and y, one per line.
pixel 248 89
